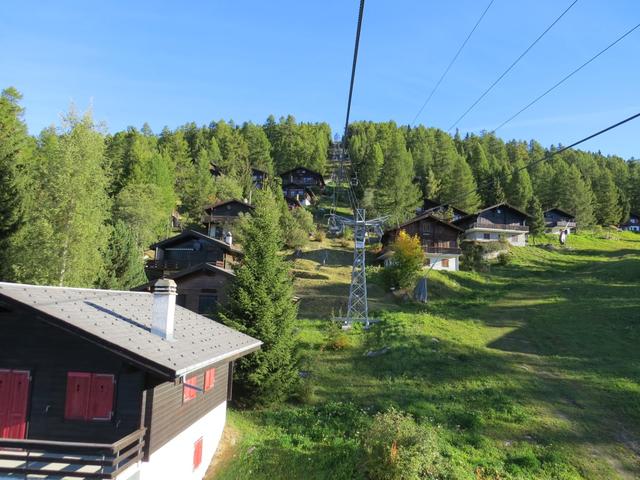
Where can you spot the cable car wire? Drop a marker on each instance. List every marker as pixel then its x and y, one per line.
pixel 453 60
pixel 513 64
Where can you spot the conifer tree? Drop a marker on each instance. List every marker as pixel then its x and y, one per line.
pixel 124 266
pixel 536 222
pixel 261 305
pixel 608 209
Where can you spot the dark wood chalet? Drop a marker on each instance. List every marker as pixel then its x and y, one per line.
pixel 439 240
pixel 189 249
pixel 442 209
pixel 303 177
pixel 258 177
pixel 633 224
pixel 556 220
pixel 202 288
pixel 220 217
pixel 498 222
pixel 110 384
pixel 298 196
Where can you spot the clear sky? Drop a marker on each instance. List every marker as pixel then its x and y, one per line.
pixel 168 63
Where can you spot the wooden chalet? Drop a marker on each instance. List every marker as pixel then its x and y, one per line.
pixel 633 224
pixel 103 384
pixel 189 249
pixel 442 209
pixel 202 288
pixel 557 220
pixel 298 196
pixel 258 177
pixel 498 222
pixel 439 240
pixel 303 177
pixel 219 218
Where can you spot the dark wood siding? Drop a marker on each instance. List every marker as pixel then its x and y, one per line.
pixel 501 216
pixel 168 415
pixel 432 234
pixel 231 209
pixel 203 283
pixel 49 353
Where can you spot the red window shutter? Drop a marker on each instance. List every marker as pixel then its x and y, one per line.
pixel 197 453
pixel 209 379
pixel 5 400
pixel 78 392
pixel 101 399
pixel 17 417
pixel 189 393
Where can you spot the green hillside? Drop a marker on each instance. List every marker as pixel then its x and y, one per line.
pixel 529 371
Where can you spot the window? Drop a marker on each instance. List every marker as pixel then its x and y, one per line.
pixel 189 393
pixel 209 379
pixel 197 453
pixel 89 396
pixel 207 303
pixel 487 236
pixel 445 262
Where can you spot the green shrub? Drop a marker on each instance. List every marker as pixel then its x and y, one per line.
pixel 320 235
pixel 504 259
pixel 472 257
pixel 336 338
pixel 395 447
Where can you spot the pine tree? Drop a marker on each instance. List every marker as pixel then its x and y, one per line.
pixel 261 305
pixel 536 222
pixel 608 208
pixel 124 266
pixel 397 195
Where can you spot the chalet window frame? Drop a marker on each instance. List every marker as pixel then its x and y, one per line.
pixel 209 379
pixel 190 389
pixel 197 453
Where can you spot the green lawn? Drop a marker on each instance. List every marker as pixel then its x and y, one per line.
pixel 530 371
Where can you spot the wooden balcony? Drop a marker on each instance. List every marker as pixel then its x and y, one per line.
pixel 560 224
pixel 44 458
pixel 176 265
pixel 499 226
pixel 442 250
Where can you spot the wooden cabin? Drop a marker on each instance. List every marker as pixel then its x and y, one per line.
pixel 220 218
pixel 441 210
pixel 439 240
pixel 202 288
pixel 258 177
pixel 303 177
pixel 189 249
pixel 557 220
pixel 495 223
pixel 111 384
pixel 633 224
pixel 298 196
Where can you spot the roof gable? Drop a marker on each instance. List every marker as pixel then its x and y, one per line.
pixel 303 170
pixel 121 322
pixel 493 207
pixel 228 202
pixel 196 236
pixel 560 211
pixel 425 216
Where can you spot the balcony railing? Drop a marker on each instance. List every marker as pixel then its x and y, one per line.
pixel 70 459
pixel 500 226
pixel 443 250
pixel 560 224
pixel 179 264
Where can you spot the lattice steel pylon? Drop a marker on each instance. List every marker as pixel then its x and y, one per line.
pixel 358 307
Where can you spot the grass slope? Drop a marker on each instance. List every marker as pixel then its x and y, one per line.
pixel 530 371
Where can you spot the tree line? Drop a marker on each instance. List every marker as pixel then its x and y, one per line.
pixel 398 166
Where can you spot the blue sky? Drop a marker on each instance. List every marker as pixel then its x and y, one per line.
pixel 167 64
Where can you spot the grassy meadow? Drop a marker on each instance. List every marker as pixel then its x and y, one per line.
pixel 527 371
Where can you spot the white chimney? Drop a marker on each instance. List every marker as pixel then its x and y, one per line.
pixel 228 239
pixel 164 308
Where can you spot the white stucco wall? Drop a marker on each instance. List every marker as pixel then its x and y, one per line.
pixel 454 261
pixel 515 239
pixel 174 460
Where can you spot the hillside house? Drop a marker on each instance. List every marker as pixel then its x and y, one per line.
pixel 441 210
pixel 498 222
pixel 557 220
pixel 298 196
pixel 202 288
pixel 258 178
pixel 189 249
pixel 439 240
pixel 111 384
pixel 633 224
pixel 220 218
pixel 303 177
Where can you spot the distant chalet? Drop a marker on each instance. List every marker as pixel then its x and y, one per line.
pixel 258 177
pixel 498 222
pixel 110 384
pixel 438 238
pixel 441 210
pixel 633 224
pixel 303 177
pixel 220 218
pixel 557 220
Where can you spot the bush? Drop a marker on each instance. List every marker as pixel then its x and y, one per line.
pixel 407 262
pixel 320 235
pixel 395 447
pixel 473 257
pixel 504 259
pixel 337 339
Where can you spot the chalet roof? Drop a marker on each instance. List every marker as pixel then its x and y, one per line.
pixel 120 322
pixel 424 216
pixel 313 172
pixel 562 212
pixel 258 170
pixel 503 204
pixel 431 205
pixel 226 202
pixel 210 267
pixel 197 235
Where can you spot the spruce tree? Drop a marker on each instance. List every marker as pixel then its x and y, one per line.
pixel 261 305
pixel 124 265
pixel 536 222
pixel 608 208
